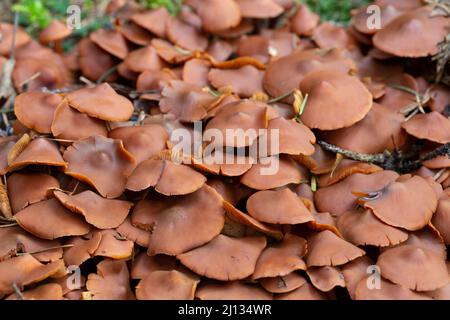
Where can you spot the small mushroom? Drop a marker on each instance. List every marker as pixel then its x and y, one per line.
pixel 229 17
pixel 168 178
pixel 111 41
pixel 143 59
pixel 181 223
pixel 244 81
pixel 153 20
pixel 111 282
pixel 278 207
pixel 55 32
pixel 185 35
pixel 101 162
pixel 48 219
pixel 259 9
pixel 414 268
pixel 432 126
pixel 281 259
pixel 94 62
pixel 101 102
pixel 327 249
pixel 98 211
pixel 166 285
pixel 36 109
pixel 225 258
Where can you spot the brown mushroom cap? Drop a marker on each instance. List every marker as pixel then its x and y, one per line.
pixel 195 71
pixel 14 240
pixel 142 142
pixel 432 126
pixel 281 259
pixel 283 75
pixel 363 228
pixel 414 34
pixel 113 246
pixel 166 285
pixel 168 178
pixel 230 290
pixel 49 291
pixel 346 168
pixel 329 93
pixel 153 20
pixel 304 21
pixel 135 34
pixel 185 35
pixel 229 17
pixel 354 272
pixel 259 8
pixel 143 265
pixel 441 219
pixel 98 211
pixel 132 233
pixel 338 198
pixel 101 162
pixel 25 270
pixel 55 31
pixel 111 41
pixel 376 133
pixel 143 59
pixel 283 284
pixel 151 80
pixel 71 124
pixel 83 248
pixel 278 207
pixel 26 189
pixel 387 291
pixel 328 35
pixel 225 258
pixel 111 282
pixel 305 292
pixel 48 219
pixel 6 144
pixel 6 29
pixel 288 172
pixel 101 102
pixel 244 81
pixel 241 115
pixel 39 151
pixel 327 249
pixel 186 101
pixel 180 223
pixel 415 268
pixel 94 62
pixel 326 278
pixel 407 204
pixel 293 138
pixel 35 109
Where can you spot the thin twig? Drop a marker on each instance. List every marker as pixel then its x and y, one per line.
pixel 17 291
pixel 282 97
pixel 106 74
pixel 9 225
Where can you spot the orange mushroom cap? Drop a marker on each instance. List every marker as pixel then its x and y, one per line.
pixel 225 258
pixel 70 124
pixel 48 219
pixel 39 151
pixel 83 248
pixel 101 162
pixel 111 282
pixel 111 41
pixel 25 189
pixel 413 34
pixel 229 17
pixel 363 228
pixel 303 22
pixel 6 29
pixel 432 126
pixel 55 31
pixel 166 285
pixel 278 207
pixel 328 106
pixel 94 62
pixel 101 102
pixel 281 259
pixel 328 35
pixel 98 211
pixel 153 20
pixel 326 278
pixel 35 110
pixel 327 249
pixel 135 34
pixel 346 168
pixel 134 234
pixel 25 270
pixel 142 141
pixel 166 177
pixel 175 221
pixel 143 59
pixel 113 246
pixel 414 268
pixel 283 284
pixel 185 35
pixel 259 8
pixel 195 71
pixel 388 13
pixel 407 204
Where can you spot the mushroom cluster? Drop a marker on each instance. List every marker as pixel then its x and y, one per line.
pixel 97 177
